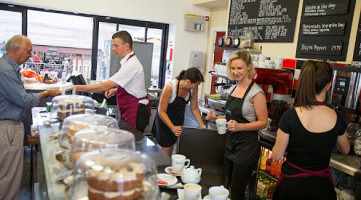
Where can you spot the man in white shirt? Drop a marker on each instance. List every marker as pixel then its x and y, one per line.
pixel 132 101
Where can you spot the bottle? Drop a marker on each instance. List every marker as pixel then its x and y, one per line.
pixel 259 186
pixel 268 162
pixel 271 190
pixel 264 159
pixel 273 167
pixel 278 168
pixel 266 188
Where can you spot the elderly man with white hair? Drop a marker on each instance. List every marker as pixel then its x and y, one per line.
pixel 14 101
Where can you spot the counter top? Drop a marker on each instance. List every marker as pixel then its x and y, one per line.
pixel 53 168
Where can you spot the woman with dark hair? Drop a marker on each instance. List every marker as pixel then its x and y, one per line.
pixel 309 131
pixel 246 111
pixel 170 116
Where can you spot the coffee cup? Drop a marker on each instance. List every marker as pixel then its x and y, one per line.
pixel 218 193
pixel 192 191
pixel 179 162
pixel 221 125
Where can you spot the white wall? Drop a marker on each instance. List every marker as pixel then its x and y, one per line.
pixel 165 11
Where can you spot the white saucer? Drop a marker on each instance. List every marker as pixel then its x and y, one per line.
pixel 168 170
pixel 208 197
pixel 168 179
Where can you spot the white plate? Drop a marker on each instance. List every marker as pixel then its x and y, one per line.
pixel 169 179
pixel 168 170
pixel 208 197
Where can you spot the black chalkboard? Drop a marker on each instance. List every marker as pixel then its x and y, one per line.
pixel 271 21
pixel 325 29
pixel 357 52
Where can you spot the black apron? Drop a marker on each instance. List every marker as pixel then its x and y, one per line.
pixel 241 146
pixel 175 112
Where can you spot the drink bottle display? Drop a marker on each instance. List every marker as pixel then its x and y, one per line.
pixel 264 159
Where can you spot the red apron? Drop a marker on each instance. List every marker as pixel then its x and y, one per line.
pixel 306 173
pixel 128 104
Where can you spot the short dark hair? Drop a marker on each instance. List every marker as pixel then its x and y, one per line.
pixel 193 74
pixel 314 77
pixel 125 37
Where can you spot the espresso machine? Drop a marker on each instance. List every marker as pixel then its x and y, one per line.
pixel 345 91
pixel 281 82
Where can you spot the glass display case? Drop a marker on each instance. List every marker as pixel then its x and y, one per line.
pixel 75 123
pixel 115 174
pixel 67 105
pixel 100 138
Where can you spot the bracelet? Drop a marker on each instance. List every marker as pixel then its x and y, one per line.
pixel 46 94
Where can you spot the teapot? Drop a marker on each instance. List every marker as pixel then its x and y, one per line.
pixel 191 175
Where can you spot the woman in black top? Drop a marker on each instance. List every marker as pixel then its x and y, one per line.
pixel 309 131
pixel 246 111
pixel 170 115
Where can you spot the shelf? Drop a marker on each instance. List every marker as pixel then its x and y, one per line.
pixel 268 175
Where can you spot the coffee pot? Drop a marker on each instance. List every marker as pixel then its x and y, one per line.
pixel 191 175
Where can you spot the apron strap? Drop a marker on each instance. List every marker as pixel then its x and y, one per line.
pixel 306 173
pixel 190 93
pixel 244 97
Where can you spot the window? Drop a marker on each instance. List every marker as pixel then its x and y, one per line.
pixel 155 36
pixel 106 30
pixel 62 41
pixel 136 32
pixel 10 25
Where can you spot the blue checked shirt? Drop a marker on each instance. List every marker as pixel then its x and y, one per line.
pixel 14 100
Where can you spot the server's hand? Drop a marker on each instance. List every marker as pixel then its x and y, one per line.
pixel 53 93
pixel 110 93
pixel 211 116
pixel 177 130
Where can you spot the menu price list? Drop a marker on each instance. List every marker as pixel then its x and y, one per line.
pixel 357 51
pixel 271 21
pixel 325 29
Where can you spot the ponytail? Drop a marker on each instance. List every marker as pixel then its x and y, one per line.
pixel 313 79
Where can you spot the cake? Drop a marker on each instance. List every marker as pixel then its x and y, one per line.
pixel 122 181
pixel 72 129
pixel 70 107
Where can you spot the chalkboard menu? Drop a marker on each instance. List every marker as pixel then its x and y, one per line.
pixel 357 52
pixel 271 21
pixel 325 29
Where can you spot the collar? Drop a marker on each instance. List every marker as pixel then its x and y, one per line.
pixel 125 59
pixel 12 62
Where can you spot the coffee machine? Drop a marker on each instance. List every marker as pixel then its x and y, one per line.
pixel 281 82
pixel 345 90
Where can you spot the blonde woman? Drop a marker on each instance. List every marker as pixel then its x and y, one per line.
pixel 246 111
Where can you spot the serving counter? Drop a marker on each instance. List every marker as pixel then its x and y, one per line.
pixel 46 168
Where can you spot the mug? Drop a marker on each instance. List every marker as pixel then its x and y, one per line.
pixel 179 162
pixel 192 191
pixel 221 125
pixel 218 193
